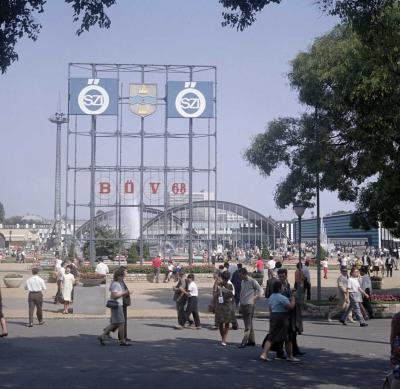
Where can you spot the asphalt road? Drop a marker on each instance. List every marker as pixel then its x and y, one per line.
pixel 65 354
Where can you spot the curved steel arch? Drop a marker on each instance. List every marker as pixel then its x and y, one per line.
pixel 111 213
pixel 222 205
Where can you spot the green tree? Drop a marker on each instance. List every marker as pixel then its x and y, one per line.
pixel 265 252
pixel 18 19
pixel 106 243
pixel 349 82
pixel 2 213
pixel 146 251
pixel 133 255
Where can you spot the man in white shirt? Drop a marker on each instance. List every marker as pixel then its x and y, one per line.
pixel 192 305
pixel 355 291
pixel 366 284
pixel 101 267
pixel 35 285
pixel 342 295
pixel 59 272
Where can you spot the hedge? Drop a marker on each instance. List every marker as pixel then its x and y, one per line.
pixel 143 269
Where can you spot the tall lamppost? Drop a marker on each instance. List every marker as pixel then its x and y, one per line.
pixel 299 209
pixel 9 244
pixel 59 119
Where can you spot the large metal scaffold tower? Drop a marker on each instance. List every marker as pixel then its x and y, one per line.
pixel 139 158
pixel 59 119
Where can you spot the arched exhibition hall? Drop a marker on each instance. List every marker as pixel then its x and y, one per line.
pixel 237 226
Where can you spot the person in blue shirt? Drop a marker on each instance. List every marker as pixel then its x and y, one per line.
pixel 279 306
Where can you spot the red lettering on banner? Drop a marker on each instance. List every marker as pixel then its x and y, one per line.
pixel 178 188
pixel 154 187
pixel 175 189
pixel 105 187
pixel 129 186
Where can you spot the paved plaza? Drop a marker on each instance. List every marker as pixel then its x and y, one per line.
pixel 66 354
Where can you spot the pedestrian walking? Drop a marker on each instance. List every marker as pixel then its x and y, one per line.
pixel 279 306
pixel 3 323
pixel 170 271
pixel 224 311
pixel 192 304
pixel 180 299
pixel 389 266
pixel 366 284
pixel 126 302
pixel 307 279
pixel 117 321
pixel 156 268
pixel 355 292
pixel 342 295
pixel 35 286
pixel 237 283
pixel 249 293
pixel 324 264
pixel 59 272
pixel 67 286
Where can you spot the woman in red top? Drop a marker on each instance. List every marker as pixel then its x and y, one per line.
pixel 260 265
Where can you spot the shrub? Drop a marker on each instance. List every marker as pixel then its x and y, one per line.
pixel 376 278
pixel 13 275
pixel 90 276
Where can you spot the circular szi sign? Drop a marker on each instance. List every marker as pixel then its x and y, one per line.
pixel 93 99
pixel 190 103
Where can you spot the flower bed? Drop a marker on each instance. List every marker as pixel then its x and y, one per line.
pixel 145 269
pixel 387 298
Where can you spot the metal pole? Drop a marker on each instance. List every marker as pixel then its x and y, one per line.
pixel 165 167
pixel 141 180
pixel 216 157
pixel 299 287
pixel 208 191
pixel 299 240
pixel 92 249
pixel 318 212
pixel 190 181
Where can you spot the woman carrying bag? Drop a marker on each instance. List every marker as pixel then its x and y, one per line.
pixel 117 321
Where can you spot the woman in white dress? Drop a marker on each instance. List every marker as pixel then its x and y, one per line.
pixel 67 286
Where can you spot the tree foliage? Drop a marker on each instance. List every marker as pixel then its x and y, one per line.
pixel 241 14
pixel 348 80
pixel 2 212
pixel 18 19
pixel 106 243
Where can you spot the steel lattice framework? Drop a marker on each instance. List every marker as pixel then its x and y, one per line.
pixel 138 160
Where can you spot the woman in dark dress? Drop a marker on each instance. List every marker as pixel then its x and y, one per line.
pixel 279 306
pixel 2 320
pixel 224 311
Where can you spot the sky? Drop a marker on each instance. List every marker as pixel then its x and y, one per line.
pixel 252 87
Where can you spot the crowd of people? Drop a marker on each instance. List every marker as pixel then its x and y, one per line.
pixel 235 290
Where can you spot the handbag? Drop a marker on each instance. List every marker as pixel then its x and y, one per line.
pixel 112 304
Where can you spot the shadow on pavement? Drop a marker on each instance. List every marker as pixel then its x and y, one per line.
pixel 81 362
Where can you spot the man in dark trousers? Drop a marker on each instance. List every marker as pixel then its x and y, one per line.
pixel 192 305
pixel 180 299
pixel 249 293
pixel 35 286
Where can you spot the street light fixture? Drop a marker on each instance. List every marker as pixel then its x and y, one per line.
pixel 299 209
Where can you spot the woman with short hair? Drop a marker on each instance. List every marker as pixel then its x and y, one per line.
pixel 2 319
pixel 279 306
pixel 224 311
pixel 117 321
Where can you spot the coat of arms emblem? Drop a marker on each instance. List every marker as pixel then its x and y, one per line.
pixel 143 99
